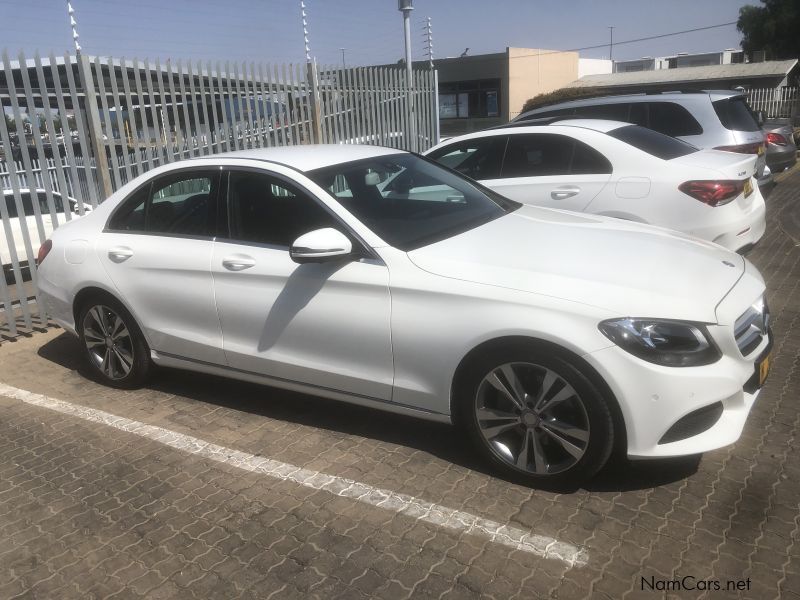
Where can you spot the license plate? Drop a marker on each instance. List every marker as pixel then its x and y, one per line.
pixel 748 188
pixel 763 370
pixel 760 150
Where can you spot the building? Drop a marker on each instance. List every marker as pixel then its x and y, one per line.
pixel 476 92
pixel 682 59
pixel 773 74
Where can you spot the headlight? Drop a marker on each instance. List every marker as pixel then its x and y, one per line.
pixel 668 343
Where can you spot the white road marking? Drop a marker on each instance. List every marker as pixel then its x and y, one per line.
pixel 404 504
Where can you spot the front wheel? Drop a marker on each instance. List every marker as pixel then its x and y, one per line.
pixel 535 416
pixel 113 344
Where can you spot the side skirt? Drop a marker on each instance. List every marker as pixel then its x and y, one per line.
pixel 178 362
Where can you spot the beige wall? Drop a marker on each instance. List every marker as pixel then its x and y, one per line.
pixel 535 71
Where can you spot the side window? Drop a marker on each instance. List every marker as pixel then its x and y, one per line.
pixel 638 114
pixel 615 112
pixel 130 215
pixel 11 205
pixel 537 154
pixel 265 210
pixel 588 161
pixel 477 158
pixel 672 119
pixel 174 204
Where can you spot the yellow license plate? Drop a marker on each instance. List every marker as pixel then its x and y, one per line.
pixel 763 370
pixel 760 150
pixel 748 188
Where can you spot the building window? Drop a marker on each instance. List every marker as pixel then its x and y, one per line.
pixel 469 99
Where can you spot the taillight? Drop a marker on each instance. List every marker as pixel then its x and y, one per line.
pixel 713 193
pixel 44 250
pixel 776 138
pixel 754 148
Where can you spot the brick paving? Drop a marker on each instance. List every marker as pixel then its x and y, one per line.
pixel 89 511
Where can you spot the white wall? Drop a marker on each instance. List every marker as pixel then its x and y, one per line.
pixel 593 66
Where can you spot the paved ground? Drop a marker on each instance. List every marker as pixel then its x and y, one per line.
pixel 95 505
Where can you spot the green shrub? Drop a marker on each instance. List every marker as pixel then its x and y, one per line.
pixel 562 95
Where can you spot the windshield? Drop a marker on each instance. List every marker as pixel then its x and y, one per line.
pixel 410 201
pixel 654 143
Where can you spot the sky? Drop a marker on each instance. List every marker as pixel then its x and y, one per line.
pixel 371 31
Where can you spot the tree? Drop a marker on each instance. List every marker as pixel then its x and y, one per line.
pixel 773 27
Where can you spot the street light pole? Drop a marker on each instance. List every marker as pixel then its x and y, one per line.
pixel 611 48
pixel 405 6
pixel 344 66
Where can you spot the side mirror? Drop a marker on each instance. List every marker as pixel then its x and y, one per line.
pixel 320 245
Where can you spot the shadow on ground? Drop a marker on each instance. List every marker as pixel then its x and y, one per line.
pixel 437 439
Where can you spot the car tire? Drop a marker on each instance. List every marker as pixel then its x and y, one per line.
pixel 112 343
pixel 552 408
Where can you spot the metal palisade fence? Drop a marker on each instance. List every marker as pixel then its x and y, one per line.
pixel 76 128
pixel 779 102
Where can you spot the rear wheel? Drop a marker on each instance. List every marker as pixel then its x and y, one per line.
pixel 113 343
pixel 535 416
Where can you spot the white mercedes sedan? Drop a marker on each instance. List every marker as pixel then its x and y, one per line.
pixel 617 170
pixel 374 276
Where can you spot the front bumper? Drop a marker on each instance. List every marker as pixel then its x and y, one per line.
pixel 653 399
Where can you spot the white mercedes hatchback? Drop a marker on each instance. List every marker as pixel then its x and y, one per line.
pixel 378 277
pixel 617 170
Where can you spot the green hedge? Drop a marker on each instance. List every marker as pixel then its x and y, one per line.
pixel 562 95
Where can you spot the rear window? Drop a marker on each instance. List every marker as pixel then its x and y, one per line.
pixel 654 143
pixel 735 114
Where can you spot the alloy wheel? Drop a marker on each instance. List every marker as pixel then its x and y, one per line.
pixel 532 418
pixel 108 342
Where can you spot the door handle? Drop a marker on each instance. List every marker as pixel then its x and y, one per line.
pixel 120 254
pixel 562 193
pixel 238 262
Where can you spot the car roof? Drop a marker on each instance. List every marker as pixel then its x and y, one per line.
pixel 541 126
pixel 312 156
pixel 641 97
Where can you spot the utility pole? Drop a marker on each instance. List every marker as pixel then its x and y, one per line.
pixel 344 66
pixel 74 25
pixel 611 47
pixel 405 6
pixel 312 78
pixel 428 34
pixel 92 112
pixel 305 30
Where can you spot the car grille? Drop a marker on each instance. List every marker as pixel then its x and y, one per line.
pixel 750 328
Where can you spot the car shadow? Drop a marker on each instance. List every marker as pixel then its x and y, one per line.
pixel 438 439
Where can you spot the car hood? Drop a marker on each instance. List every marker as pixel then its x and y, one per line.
pixel 625 268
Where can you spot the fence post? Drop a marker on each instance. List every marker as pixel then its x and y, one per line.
pixel 316 105
pixel 95 129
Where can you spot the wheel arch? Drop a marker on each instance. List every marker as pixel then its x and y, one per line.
pixel 520 341
pixel 95 291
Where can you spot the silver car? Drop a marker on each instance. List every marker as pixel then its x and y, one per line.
pixel 781 147
pixel 707 119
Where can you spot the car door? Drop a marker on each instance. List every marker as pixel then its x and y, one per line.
pixel 321 324
pixel 553 170
pixel 156 249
